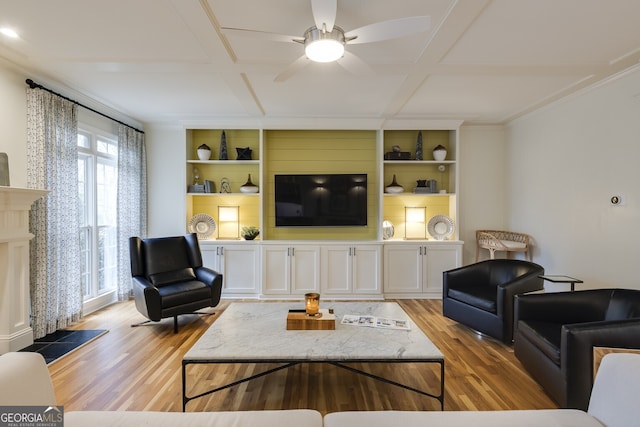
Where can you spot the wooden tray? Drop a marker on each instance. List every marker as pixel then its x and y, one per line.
pixel 299 321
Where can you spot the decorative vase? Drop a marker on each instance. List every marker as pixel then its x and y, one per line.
pixel 223 147
pixel 419 146
pixel 204 152
pixel 249 187
pixel 439 153
pixel 244 153
pixel 394 187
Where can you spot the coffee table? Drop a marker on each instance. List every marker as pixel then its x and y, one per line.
pixel 256 333
pixel 561 279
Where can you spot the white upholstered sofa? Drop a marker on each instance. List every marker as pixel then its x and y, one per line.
pixel 24 380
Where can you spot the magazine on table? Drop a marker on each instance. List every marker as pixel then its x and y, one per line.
pixel 375 322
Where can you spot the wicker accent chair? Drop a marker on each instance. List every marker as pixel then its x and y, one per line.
pixel 502 241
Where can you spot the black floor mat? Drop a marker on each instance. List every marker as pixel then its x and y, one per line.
pixel 61 342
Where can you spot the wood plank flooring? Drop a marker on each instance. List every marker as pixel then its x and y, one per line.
pixel 140 369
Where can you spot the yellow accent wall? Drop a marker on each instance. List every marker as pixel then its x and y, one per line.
pixel 236 171
pixel 407 172
pixel 320 151
pixel 248 212
pixel 236 138
pixel 394 209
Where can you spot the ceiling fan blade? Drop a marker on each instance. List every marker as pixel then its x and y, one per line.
pixel 324 13
pixel 355 65
pixel 265 35
pixel 292 68
pixel 387 30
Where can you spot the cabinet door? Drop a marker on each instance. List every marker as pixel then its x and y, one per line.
pixel 438 260
pixel 367 269
pixel 336 269
pixel 212 257
pixel 276 275
pixel 403 268
pixel 305 269
pixel 241 269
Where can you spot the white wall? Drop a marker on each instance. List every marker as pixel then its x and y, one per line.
pixel 166 180
pixel 483 185
pixel 13 123
pixel 566 161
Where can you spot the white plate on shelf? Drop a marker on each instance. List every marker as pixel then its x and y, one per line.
pixel 387 230
pixel 203 225
pixel 440 227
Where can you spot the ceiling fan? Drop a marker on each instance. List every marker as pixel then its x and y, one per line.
pixel 325 41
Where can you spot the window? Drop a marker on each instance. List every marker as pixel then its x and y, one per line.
pixel 97 195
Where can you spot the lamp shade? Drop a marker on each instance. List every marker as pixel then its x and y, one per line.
pixel 228 213
pixel 415 226
pixel 322 46
pixel 228 227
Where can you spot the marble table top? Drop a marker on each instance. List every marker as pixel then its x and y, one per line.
pixel 256 332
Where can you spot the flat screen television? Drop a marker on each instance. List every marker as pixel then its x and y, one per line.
pixel 321 200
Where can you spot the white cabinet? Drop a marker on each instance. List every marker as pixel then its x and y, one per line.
pixel 440 258
pixel 239 264
pixel 290 269
pixel 415 269
pixel 391 269
pixel 354 270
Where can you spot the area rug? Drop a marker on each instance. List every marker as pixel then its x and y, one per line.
pixel 62 342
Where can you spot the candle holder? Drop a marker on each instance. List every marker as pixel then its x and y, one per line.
pixel 312 304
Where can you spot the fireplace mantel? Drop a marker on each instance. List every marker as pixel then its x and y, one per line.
pixel 15 325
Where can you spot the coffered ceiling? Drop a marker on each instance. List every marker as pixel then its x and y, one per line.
pixel 169 61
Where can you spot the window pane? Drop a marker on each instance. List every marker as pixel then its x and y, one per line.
pixel 83 202
pixel 107 147
pixel 84 141
pixel 86 261
pixel 107 258
pixel 97 196
pixel 106 195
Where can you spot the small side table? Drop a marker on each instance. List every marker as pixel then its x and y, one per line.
pixel 562 279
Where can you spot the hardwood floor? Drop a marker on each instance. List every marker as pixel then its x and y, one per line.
pixel 140 369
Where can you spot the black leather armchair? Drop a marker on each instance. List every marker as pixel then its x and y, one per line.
pixel 556 332
pixel 481 295
pixel 169 278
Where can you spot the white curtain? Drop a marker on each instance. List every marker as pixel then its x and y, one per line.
pixel 52 163
pixel 132 200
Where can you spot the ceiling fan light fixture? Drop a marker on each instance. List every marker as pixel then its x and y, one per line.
pixel 322 46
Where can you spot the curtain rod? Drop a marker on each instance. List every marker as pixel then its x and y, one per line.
pixel 34 85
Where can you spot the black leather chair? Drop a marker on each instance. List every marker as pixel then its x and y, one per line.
pixel 556 332
pixel 169 278
pixel 481 295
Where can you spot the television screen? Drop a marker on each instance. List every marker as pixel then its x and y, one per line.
pixel 321 200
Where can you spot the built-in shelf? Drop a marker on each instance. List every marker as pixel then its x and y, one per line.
pixel 223 194
pixel 418 194
pixel 418 162
pixel 225 162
